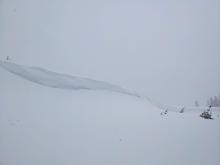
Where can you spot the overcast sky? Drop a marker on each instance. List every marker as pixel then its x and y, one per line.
pixel 168 50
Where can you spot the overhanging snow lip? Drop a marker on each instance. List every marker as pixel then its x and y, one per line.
pixel 59 80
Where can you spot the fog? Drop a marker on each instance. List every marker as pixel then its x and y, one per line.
pixel 168 50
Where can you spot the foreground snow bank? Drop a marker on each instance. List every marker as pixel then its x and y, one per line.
pixel 49 126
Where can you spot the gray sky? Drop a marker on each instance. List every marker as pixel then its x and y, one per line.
pixel 169 50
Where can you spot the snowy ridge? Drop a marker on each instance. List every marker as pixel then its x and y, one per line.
pixel 57 80
pixel 63 81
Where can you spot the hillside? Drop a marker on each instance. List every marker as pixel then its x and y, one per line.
pixel 51 126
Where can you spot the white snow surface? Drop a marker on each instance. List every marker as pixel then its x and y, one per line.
pixel 50 126
pixel 63 81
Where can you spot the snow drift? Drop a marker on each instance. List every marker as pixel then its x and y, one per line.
pixel 63 81
pixel 49 126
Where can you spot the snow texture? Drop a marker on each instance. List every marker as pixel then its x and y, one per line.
pixel 64 81
pixel 49 126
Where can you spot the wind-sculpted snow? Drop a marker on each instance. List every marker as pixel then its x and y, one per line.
pixel 48 126
pixel 62 81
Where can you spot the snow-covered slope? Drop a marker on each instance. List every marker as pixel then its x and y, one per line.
pixel 49 126
pixel 63 81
